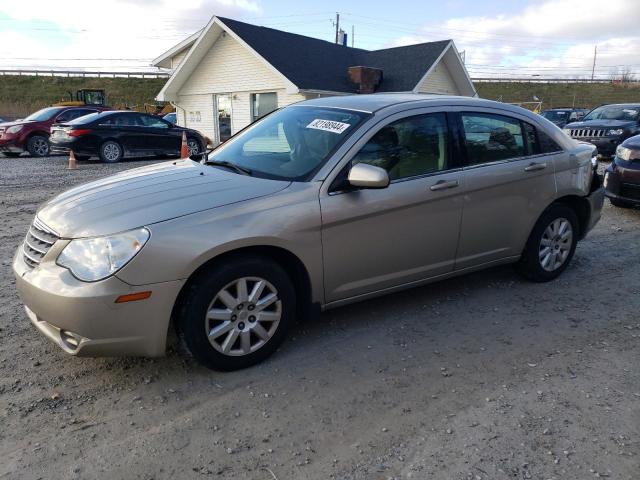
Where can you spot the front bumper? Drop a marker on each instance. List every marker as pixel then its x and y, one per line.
pixel 10 145
pixel 622 183
pixel 606 145
pixel 83 319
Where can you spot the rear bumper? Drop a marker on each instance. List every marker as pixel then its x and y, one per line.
pixel 596 202
pixel 84 320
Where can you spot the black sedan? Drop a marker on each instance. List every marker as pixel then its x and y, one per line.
pixel 114 135
pixel 622 177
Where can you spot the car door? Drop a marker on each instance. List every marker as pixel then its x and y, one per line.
pixel 379 239
pixel 509 182
pixel 160 137
pixel 127 129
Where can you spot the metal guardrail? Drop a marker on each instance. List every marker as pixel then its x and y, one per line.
pixel 546 80
pixel 82 73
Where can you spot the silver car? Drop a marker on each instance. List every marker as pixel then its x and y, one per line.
pixel 319 204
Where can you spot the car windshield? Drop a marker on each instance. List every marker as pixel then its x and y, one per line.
pixel 44 114
pixel 555 115
pixel 290 143
pixel 614 112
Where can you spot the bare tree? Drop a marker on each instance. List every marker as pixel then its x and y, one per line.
pixel 623 75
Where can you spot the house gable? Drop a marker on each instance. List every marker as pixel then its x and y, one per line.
pixel 447 76
pixel 229 67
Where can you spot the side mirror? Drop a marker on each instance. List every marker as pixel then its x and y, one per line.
pixel 363 175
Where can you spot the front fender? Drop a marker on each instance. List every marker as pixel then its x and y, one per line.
pixel 289 220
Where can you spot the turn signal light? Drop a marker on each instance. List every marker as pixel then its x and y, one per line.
pixel 133 297
pixel 79 132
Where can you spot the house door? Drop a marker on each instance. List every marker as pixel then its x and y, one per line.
pixel 223 107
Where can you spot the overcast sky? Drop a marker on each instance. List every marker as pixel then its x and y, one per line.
pixel 515 37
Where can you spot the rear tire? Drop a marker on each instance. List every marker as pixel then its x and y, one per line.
pixel 111 152
pixel 236 314
pixel 11 154
pixel 551 245
pixel 620 203
pixel 38 146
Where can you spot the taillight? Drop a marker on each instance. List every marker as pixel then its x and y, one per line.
pixel 79 132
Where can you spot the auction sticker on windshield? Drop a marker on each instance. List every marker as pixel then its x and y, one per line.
pixel 329 125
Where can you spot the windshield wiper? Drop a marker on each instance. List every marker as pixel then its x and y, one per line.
pixel 229 165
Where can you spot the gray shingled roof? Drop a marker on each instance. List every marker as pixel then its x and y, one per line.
pixel 313 64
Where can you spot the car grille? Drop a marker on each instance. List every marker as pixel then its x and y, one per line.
pixel 37 243
pixel 631 191
pixel 588 132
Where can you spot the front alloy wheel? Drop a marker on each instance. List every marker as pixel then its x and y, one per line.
pixel 38 146
pixel 193 146
pixel 237 312
pixel 243 316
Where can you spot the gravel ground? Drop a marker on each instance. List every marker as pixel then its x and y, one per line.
pixel 480 377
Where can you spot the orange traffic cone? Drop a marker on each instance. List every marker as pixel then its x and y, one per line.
pixel 73 163
pixel 184 149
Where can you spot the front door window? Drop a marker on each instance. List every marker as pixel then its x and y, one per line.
pixel 224 117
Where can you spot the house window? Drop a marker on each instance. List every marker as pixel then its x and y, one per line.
pixel 263 103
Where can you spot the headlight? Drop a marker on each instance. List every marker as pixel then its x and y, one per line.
pixel 615 131
pixel 623 153
pixel 628 154
pixel 567 131
pixel 14 129
pixel 93 259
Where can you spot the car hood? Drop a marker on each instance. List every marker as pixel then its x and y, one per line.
pixel 601 124
pixel 148 195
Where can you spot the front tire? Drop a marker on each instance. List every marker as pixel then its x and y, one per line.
pixel 237 314
pixel 551 245
pixel 111 152
pixel 38 146
pixel 193 146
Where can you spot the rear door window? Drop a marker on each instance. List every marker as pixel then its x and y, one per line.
pixel 490 138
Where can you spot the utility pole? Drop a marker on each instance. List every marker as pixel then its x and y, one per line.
pixel 337 26
pixel 353 35
pixel 595 54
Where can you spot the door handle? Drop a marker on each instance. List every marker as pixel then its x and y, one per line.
pixel 535 166
pixel 443 185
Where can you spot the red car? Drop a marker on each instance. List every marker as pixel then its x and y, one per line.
pixel 31 134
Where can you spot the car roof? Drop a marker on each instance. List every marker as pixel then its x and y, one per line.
pixel 620 105
pixel 371 103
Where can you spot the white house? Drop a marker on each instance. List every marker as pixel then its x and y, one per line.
pixel 231 73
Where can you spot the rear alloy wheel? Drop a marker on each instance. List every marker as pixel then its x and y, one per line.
pixel 38 146
pixel 551 244
pixel 110 152
pixel 235 315
pixel 193 146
